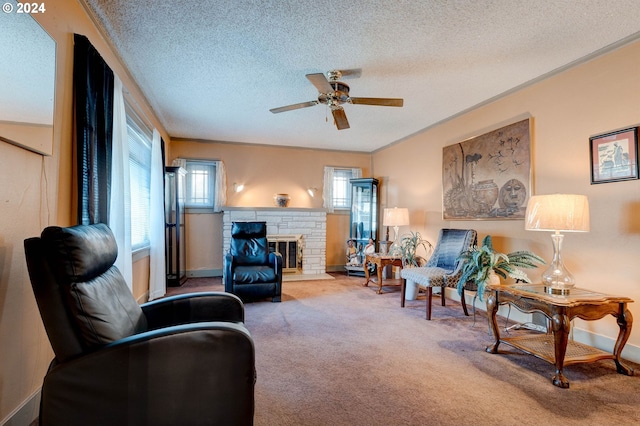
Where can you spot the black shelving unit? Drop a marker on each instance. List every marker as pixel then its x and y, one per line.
pixel 174 189
pixel 364 215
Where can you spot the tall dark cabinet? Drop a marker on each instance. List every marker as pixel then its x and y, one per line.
pixel 174 192
pixel 364 211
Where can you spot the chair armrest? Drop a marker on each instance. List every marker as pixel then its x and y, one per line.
pixel 228 272
pixel 452 277
pixel 176 375
pixel 193 307
pixel 275 260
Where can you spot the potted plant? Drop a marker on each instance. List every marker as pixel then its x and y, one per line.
pixel 408 247
pixel 483 263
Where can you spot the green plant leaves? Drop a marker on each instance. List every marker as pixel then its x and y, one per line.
pixel 478 263
pixel 409 245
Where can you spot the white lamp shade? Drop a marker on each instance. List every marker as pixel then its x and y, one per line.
pixel 396 217
pixel 558 212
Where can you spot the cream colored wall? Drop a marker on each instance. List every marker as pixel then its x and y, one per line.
pixel 565 110
pixel 338 229
pixel 265 171
pixel 140 277
pixel 31 136
pixel 36 191
pixel 24 348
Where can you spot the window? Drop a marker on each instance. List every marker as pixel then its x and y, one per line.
pixel 140 139
pixel 337 188
pixel 200 183
pixel 341 188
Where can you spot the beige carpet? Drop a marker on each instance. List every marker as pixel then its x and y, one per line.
pixel 336 353
pixel 305 277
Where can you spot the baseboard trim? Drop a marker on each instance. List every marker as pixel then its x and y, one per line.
pixel 204 273
pixel 26 413
pixel 335 268
pixel 144 298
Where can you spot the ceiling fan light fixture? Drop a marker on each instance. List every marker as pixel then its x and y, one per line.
pixel 333 93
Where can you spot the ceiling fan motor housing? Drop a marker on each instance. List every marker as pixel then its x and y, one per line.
pixel 339 95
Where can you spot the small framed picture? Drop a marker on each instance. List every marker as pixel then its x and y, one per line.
pixel 614 156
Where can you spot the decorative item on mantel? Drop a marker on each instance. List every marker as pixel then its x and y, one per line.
pixel 281 200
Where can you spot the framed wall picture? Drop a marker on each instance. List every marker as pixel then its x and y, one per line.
pixel 489 176
pixel 614 156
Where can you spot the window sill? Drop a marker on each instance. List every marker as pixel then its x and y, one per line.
pixel 139 254
pixel 199 210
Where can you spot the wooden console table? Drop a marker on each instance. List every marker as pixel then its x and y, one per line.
pixel 560 310
pixel 380 260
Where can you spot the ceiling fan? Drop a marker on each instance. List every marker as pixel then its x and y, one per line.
pixel 333 93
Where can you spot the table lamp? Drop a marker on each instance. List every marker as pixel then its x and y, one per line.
pixel 557 213
pixel 396 217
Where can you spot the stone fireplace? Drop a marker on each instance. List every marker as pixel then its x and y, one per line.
pixel 307 228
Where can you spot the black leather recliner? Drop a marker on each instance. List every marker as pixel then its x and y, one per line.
pixel 180 360
pixel 250 270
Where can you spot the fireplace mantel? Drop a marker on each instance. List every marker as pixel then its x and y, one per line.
pixel 274 209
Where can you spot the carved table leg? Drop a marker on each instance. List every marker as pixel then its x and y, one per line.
pixel 560 325
pixel 366 275
pixel 379 268
pixel 625 320
pixel 492 310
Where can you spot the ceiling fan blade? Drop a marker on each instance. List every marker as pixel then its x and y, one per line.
pixel 340 118
pixel 294 106
pixel 352 73
pixel 394 102
pixel 321 82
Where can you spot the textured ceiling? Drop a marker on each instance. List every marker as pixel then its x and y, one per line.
pixel 212 69
pixel 27 68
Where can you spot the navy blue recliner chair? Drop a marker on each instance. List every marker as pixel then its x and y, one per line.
pixel 250 271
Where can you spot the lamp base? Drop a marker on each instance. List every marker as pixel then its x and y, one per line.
pixel 395 249
pixel 563 291
pixel 557 278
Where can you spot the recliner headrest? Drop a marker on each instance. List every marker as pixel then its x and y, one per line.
pixel 249 229
pixel 81 253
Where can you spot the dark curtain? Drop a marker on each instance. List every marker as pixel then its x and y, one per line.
pixel 93 115
pixel 162 151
